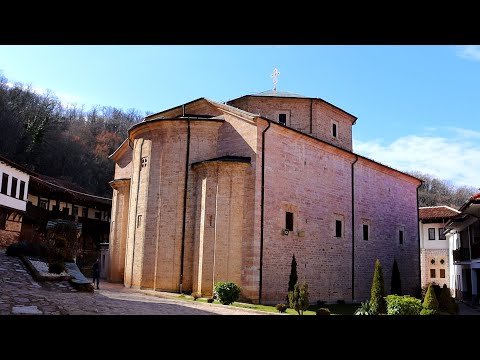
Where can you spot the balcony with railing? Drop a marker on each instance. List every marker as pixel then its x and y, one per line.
pixel 461 254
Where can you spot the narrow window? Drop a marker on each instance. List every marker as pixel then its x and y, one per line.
pixel 431 233
pixel 338 228
pixel 441 235
pixel 13 191
pixel 282 119
pixel 3 220
pixel 98 215
pixel 21 195
pixel 85 212
pixel 400 237
pixel 139 221
pixel 289 221
pixel 432 274
pixel 4 183
pixel 334 130
pixel 75 211
pixel 43 203
pixel 365 232
pixel 442 273
pixel 144 161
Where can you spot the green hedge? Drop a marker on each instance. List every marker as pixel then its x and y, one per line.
pixel 403 305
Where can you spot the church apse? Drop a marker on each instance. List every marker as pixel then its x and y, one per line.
pixel 218 233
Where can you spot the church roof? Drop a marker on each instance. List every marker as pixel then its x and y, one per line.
pixel 275 93
pixel 436 212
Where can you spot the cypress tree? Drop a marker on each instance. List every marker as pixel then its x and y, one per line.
pixel 293 274
pixel 445 303
pixel 293 277
pixel 396 283
pixel 430 302
pixel 377 294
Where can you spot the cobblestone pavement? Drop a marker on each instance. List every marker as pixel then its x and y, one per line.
pixel 21 294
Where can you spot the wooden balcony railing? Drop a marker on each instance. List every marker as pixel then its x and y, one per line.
pixel 461 254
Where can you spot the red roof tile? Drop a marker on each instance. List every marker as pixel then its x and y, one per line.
pixel 437 212
pixel 476 196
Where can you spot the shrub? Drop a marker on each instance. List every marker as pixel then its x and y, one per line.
pixel 396 282
pixel 322 311
pixel 27 249
pixel 298 298
pixel 446 302
pixel 210 300
pixel 56 267
pixel 341 302
pixel 364 309
pixel 227 292
pixel 377 294
pixel 320 302
pixel 430 302
pixel 403 305
pixel 281 308
pixel 428 312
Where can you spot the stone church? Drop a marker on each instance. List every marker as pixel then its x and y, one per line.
pixel 207 192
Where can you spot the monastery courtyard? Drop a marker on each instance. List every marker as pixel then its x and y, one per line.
pixel 21 294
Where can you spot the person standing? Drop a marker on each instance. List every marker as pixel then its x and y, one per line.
pixel 96 272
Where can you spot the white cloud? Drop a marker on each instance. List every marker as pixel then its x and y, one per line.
pixel 471 52
pixel 452 156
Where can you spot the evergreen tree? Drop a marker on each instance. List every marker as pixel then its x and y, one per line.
pixel 377 294
pixel 293 277
pixel 430 302
pixel 293 274
pixel 298 298
pixel 396 283
pixel 445 302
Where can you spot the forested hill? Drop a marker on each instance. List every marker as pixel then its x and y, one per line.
pixel 435 191
pixel 67 143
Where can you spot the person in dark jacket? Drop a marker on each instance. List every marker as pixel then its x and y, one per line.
pixel 96 273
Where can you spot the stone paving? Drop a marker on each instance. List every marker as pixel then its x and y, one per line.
pixel 21 294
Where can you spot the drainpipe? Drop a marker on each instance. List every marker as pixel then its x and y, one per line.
pixel 262 201
pixel 187 159
pixel 136 208
pixel 418 240
pixel 353 230
pixel 311 114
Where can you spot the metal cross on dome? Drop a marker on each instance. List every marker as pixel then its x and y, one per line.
pixel 274 77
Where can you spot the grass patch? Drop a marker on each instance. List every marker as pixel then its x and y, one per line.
pixel 335 309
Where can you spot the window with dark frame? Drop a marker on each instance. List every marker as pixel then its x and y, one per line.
pixel 3 221
pixel 365 232
pixel 431 233
pixel 98 215
pixel 289 221
pixel 334 130
pixel 4 184
pixel 75 211
pixel 144 161
pixel 338 228
pixel 21 195
pixel 43 203
pixel 85 212
pixel 432 274
pixel 400 237
pixel 282 119
pixel 441 235
pixel 442 273
pixel 13 190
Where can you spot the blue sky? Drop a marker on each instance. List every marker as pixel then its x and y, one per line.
pixel 418 106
